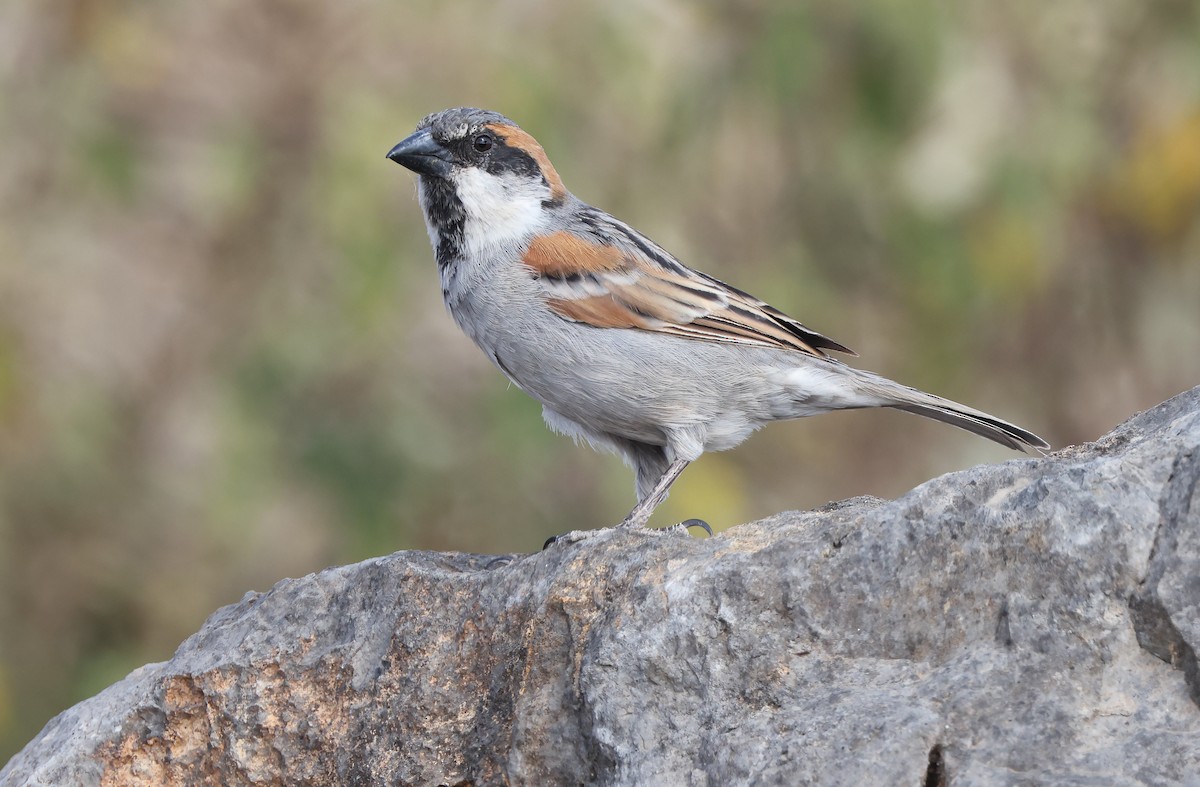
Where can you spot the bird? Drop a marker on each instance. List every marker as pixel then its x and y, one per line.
pixel 625 347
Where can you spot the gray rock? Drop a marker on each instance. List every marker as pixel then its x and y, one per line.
pixel 1034 621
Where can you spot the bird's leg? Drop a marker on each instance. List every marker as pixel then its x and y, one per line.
pixel 640 514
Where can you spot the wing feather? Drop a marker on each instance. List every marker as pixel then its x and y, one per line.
pixel 610 276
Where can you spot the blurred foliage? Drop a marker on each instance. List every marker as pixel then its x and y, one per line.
pixel 223 358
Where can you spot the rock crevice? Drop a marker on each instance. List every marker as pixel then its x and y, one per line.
pixel 1152 620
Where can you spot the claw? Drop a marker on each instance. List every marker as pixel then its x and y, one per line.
pixel 570 537
pixel 700 523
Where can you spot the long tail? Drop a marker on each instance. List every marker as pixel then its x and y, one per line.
pixel 901 397
pixel 979 423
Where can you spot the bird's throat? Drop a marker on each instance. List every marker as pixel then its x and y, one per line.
pixel 445 218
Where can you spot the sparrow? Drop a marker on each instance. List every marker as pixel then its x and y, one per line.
pixel 625 347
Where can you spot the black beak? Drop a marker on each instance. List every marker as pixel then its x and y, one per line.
pixel 422 154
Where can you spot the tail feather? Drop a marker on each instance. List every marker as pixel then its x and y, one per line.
pixel 979 423
pixel 882 392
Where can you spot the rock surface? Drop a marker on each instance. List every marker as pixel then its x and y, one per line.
pixel 1032 621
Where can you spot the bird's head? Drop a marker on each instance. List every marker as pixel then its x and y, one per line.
pixel 484 182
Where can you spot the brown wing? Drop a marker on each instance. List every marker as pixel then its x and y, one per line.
pixel 632 283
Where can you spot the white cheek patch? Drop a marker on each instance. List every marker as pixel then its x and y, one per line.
pixel 501 210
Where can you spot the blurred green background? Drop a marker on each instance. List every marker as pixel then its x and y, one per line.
pixel 223 355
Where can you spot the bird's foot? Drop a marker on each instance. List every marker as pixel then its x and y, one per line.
pixel 579 535
pixel 687 524
pixel 568 538
pixel 500 561
pixel 675 529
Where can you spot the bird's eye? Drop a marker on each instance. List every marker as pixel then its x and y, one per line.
pixel 483 143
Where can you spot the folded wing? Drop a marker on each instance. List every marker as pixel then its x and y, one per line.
pixel 609 276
